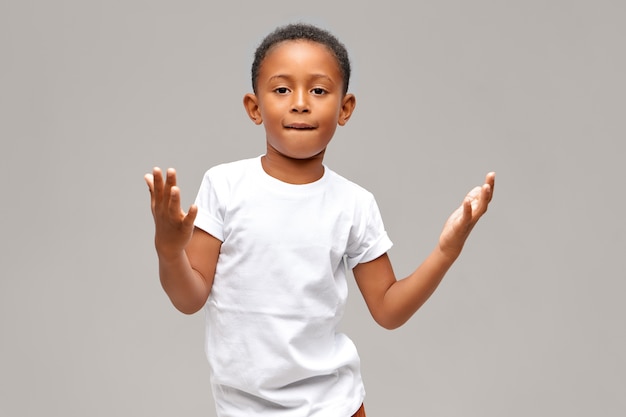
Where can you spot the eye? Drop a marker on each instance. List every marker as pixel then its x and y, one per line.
pixel 281 90
pixel 318 91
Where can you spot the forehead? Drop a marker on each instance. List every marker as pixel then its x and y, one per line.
pixel 300 54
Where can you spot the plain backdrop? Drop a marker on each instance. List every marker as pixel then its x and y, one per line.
pixel 528 322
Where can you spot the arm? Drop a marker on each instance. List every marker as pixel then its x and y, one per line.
pixel 187 255
pixel 392 302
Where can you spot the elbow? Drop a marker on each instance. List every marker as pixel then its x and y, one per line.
pixel 187 310
pixel 393 326
pixel 186 300
pixel 389 323
pixel 187 307
pixel 393 316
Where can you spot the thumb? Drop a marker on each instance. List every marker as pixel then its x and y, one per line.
pixel 190 217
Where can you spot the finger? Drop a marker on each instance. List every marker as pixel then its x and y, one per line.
pixel 174 209
pixel 481 196
pixel 465 221
pixel 473 194
pixel 149 178
pixel 485 198
pixel 157 184
pixel 171 177
pixel 170 181
pixel 490 180
pixel 467 210
pixel 481 202
pixel 189 219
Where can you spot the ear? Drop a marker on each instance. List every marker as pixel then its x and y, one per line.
pixel 348 103
pixel 251 104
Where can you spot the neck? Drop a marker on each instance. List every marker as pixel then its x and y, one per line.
pixel 293 171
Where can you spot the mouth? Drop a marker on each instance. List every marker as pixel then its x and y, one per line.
pixel 300 126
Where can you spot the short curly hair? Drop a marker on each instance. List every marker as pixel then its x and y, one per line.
pixel 302 31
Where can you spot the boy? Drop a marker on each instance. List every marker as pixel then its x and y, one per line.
pixel 266 245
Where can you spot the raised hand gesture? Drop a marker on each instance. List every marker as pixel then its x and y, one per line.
pixel 459 225
pixel 173 227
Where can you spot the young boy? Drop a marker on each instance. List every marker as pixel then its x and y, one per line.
pixel 266 246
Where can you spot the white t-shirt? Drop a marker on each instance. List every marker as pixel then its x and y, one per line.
pixel 280 290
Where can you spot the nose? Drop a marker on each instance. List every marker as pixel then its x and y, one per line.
pixel 300 102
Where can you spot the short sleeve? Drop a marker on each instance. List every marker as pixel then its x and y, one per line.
pixel 209 201
pixel 369 238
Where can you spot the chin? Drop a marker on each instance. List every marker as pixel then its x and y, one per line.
pixel 303 156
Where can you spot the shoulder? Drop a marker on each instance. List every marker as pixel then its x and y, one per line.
pixel 232 169
pixel 223 178
pixel 347 187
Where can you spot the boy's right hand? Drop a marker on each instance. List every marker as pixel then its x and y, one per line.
pixel 173 227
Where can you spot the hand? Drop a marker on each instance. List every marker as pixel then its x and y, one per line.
pixel 173 227
pixel 459 225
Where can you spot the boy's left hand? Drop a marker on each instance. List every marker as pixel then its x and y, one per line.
pixel 459 225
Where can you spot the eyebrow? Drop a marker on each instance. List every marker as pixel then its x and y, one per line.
pixel 288 77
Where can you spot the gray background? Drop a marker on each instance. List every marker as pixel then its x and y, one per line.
pixel 529 322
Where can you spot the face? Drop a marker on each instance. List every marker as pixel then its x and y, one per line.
pixel 299 99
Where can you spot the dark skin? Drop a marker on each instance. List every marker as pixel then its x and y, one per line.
pixel 300 102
